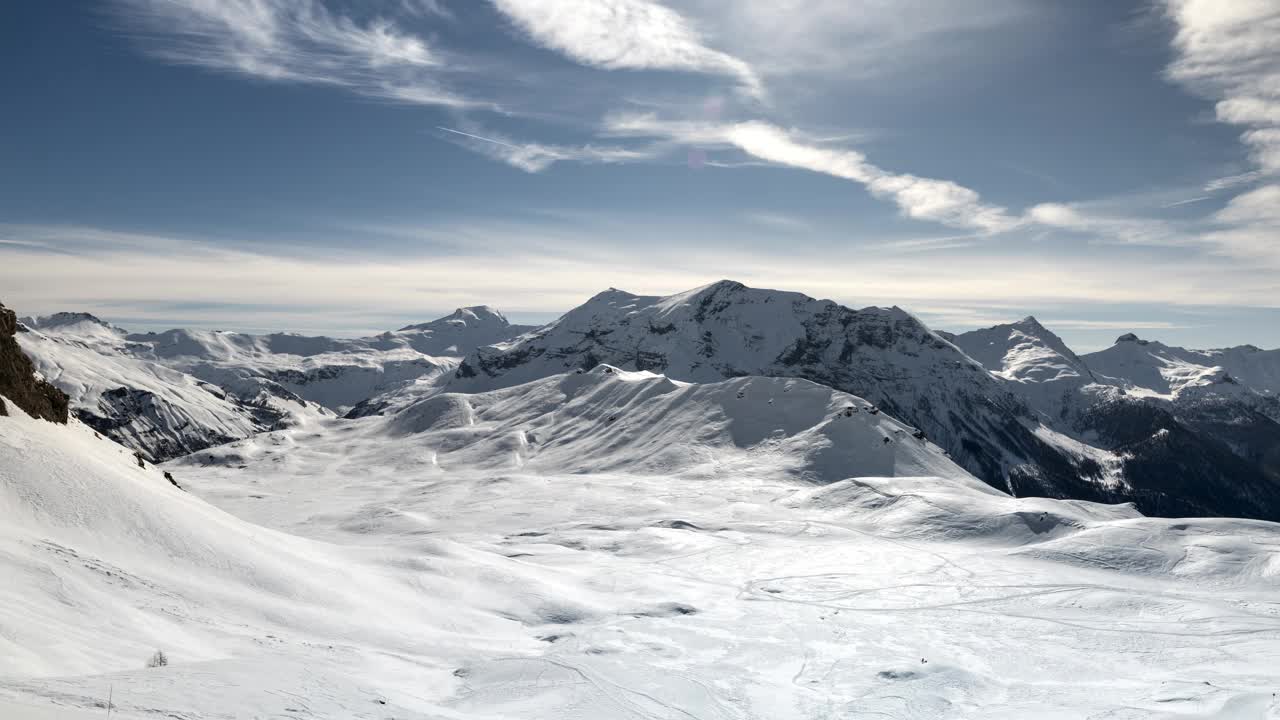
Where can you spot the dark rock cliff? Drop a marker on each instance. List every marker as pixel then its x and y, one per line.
pixel 18 382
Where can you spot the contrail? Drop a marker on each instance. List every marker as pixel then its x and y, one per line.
pixel 477 137
pixel 1187 202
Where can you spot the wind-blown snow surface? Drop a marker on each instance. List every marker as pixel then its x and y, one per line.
pixel 610 545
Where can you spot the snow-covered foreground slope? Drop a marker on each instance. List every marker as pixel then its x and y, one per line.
pixel 610 545
pixel 104 562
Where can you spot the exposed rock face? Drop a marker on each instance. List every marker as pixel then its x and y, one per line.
pixel 18 382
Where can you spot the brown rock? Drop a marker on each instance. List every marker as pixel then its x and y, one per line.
pixel 18 382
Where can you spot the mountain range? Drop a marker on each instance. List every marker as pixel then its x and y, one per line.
pixel 1176 432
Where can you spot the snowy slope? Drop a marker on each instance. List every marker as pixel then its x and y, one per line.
pixel 464 559
pixel 156 410
pixel 104 562
pixel 1024 351
pixel 1152 368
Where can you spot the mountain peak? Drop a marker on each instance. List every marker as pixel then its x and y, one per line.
pixel 62 319
pixel 1026 352
pixel 1130 337
pixel 479 313
pixel 719 285
pixel 471 316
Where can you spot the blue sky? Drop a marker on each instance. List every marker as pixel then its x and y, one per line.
pixel 341 166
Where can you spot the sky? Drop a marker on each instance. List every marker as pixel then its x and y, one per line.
pixel 349 166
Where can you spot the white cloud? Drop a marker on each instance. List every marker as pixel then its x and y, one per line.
pixel 1229 50
pixel 930 199
pixel 1262 204
pixel 533 269
pixel 625 35
pixel 536 157
pixel 778 221
pixel 1111 228
pixel 1070 324
pixel 1230 181
pixel 293 41
pixel 848 39
pixel 1249 227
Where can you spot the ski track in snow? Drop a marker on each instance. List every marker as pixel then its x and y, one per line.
pixel 609 545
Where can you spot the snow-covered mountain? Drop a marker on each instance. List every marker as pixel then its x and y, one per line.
pixel 884 354
pixel 1153 368
pixel 1029 354
pixel 1012 404
pixel 727 330
pixel 334 372
pixel 1167 420
pixel 168 394
pixel 156 410
pixel 607 544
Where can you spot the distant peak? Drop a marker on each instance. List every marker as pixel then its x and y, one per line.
pixel 725 285
pixel 473 316
pixel 479 312
pixel 610 293
pixel 68 318
pixel 717 287
pixel 1130 337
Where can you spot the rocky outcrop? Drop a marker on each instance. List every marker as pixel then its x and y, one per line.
pixel 18 381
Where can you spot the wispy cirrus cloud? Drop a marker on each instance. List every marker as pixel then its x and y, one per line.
pixel 1108 227
pixel 625 35
pixel 778 221
pixel 920 198
pixel 1230 52
pixel 533 269
pixel 301 41
pixel 536 157
pixel 850 39
pixel 1230 181
pixel 1249 226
